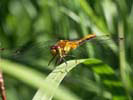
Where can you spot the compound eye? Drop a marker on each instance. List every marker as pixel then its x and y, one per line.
pixel 57 47
pixel 53 50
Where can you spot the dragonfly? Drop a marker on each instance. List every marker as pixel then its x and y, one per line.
pixel 63 47
pixel 59 49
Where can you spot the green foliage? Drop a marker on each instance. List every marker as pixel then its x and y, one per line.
pixel 31 26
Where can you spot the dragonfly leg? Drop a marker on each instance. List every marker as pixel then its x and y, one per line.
pixel 51 60
pixel 64 60
pixel 60 60
pixel 56 62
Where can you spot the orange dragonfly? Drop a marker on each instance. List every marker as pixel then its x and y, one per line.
pixel 59 49
pixel 63 47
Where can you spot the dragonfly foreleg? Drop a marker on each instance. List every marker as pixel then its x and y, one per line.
pixel 56 62
pixel 51 60
pixel 64 60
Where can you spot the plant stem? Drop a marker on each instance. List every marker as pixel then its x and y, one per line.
pixel 2 88
pixel 122 58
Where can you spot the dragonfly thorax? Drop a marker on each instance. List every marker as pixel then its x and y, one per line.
pixel 63 47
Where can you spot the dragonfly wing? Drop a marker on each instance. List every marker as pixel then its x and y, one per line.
pixel 94 47
pixel 30 51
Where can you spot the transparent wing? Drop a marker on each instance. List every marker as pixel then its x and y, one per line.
pixel 94 47
pixel 36 52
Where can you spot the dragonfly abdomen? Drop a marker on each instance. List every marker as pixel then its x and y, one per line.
pixel 86 38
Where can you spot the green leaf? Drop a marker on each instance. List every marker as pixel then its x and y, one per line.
pixel 98 67
pixel 36 79
pixel 105 76
pixel 107 79
pixel 55 78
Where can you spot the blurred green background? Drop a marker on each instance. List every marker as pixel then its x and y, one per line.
pixel 31 26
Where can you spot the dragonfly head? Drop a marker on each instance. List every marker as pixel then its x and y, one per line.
pixel 54 49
